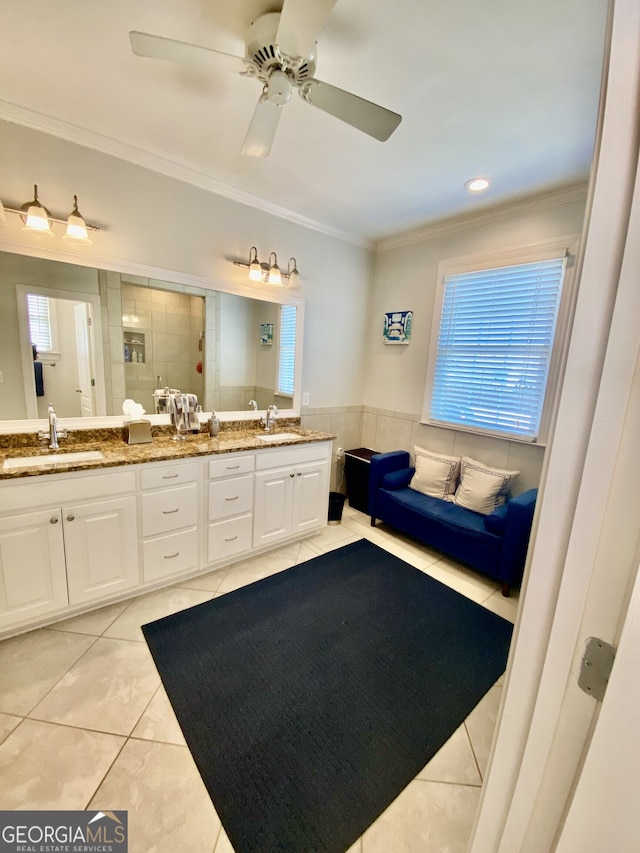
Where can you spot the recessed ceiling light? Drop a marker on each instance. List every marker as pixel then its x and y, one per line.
pixel 476 185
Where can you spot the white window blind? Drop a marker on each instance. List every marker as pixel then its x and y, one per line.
pixel 494 347
pixel 287 349
pixel 39 322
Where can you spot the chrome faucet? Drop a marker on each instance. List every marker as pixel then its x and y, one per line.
pixel 269 418
pixel 253 405
pixel 54 433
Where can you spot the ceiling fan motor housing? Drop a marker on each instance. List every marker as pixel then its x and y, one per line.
pixel 262 52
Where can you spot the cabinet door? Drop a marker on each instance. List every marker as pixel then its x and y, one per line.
pixel 273 506
pixel 32 567
pixel 310 501
pixel 101 543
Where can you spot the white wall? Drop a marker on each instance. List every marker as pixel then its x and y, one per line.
pixel 405 279
pixel 153 220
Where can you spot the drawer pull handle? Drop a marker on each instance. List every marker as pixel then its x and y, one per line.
pixel 171 556
pixel 170 511
pixel 70 517
pixel 53 520
pixel 232 467
pixel 170 476
pixel 230 538
pixel 234 498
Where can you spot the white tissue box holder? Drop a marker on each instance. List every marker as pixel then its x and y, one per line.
pixel 138 432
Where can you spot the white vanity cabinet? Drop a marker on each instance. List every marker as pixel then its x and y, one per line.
pixel 169 518
pixel 291 492
pixel 80 544
pixel 230 506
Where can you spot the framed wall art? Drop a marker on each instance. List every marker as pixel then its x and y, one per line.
pixel 266 334
pixel 397 327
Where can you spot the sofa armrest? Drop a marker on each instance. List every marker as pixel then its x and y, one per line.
pixel 381 464
pixel 516 535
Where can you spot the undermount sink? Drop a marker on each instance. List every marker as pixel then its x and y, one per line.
pixel 53 459
pixel 279 436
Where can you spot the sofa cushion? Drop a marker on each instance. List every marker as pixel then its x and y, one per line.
pixel 482 489
pixel 397 479
pixel 497 521
pixel 436 474
pixel 450 516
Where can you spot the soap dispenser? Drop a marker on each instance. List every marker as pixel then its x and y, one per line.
pixel 214 425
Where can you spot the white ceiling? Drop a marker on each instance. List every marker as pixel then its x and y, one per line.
pixel 504 88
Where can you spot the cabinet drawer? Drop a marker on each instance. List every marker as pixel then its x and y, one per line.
pixel 169 475
pixel 230 497
pixel 282 457
pixel 169 509
pixel 167 555
pixel 229 537
pixel 231 466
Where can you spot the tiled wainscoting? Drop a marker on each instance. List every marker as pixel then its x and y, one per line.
pixel 383 430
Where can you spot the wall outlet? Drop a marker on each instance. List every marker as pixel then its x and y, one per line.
pixel 305 398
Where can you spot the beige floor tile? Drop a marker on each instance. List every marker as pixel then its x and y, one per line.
pixel 307 551
pixel 256 569
pixel 331 537
pixel 107 690
pixel 94 623
pixel 429 817
pixel 159 721
pixel 454 763
pixel 481 724
pixel 169 808
pixel 155 605
pixel 211 581
pixel 32 663
pixel 45 766
pixel 505 607
pixel 7 724
pixel 465 581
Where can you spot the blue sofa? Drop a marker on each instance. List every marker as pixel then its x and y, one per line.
pixel 495 544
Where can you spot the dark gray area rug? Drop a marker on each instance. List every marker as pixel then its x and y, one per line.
pixel 309 700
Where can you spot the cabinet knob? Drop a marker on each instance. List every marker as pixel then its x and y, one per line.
pixel 70 517
pixel 299 474
pixel 292 474
pixel 53 520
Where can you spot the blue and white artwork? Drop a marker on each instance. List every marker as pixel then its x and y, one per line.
pixel 397 327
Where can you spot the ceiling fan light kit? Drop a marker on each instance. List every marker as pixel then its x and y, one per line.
pixel 271 273
pixel 37 220
pixel 280 53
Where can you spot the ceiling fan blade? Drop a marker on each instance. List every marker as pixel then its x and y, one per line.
pixel 300 23
pixel 262 129
pixel 159 47
pixel 363 115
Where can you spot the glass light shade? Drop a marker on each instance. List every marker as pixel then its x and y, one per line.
pixel 37 220
pixel 255 271
pixel 275 276
pixel 294 275
pixel 77 230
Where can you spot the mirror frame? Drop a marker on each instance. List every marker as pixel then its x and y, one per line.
pixel 184 282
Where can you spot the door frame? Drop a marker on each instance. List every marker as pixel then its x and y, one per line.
pixel 544 728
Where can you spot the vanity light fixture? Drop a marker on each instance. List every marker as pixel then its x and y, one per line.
pixel 477 185
pixel 37 220
pixel 271 273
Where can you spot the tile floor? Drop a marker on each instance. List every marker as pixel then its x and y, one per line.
pixel 85 723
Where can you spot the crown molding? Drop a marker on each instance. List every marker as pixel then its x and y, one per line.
pixel 518 207
pixel 155 163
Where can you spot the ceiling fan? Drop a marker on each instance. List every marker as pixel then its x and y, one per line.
pixel 280 53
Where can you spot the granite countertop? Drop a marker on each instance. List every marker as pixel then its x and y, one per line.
pixel 115 450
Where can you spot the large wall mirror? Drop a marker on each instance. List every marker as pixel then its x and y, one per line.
pixel 87 339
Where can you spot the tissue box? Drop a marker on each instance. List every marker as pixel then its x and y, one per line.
pixel 137 432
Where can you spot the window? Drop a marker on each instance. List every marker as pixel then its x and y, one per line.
pixel 286 350
pixel 40 326
pixel 494 342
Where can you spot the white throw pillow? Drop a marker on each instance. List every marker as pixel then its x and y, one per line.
pixel 481 488
pixel 436 474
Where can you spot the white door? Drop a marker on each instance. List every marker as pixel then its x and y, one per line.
pixel 604 811
pixel 101 543
pixel 310 496
pixel 273 506
pixel 32 568
pixel 84 344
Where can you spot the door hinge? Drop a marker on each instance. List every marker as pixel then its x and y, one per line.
pixel 595 668
pixel 93 383
pixel 89 321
